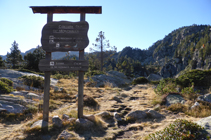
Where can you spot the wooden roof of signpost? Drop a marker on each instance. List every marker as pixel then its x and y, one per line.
pixel 67 9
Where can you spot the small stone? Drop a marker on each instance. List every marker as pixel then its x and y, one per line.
pixel 195 105
pixel 90 117
pixel 104 114
pixel 57 121
pixel 65 117
pixel 117 116
pixel 71 120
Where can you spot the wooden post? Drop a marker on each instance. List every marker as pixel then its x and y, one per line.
pixel 81 79
pixel 47 80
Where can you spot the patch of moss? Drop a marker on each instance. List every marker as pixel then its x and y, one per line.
pixel 182 130
pixel 140 80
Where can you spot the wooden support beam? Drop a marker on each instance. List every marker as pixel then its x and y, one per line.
pixel 47 80
pixel 81 79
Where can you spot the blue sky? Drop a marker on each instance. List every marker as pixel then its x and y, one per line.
pixel 135 23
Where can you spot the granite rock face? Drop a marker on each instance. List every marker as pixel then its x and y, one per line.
pixel 117 79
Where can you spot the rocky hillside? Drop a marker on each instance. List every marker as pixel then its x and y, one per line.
pixel 186 46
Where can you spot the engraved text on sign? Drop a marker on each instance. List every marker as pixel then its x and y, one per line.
pixel 65 36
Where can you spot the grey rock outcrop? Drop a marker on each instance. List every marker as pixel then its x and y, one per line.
pixel 206 97
pixel 168 70
pixel 154 77
pixel 173 99
pixel 117 79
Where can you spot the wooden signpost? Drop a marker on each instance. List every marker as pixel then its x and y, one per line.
pixel 64 36
pixel 63 65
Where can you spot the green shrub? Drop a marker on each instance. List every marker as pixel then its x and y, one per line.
pixel 165 86
pixel 7 81
pixel 57 76
pixel 140 80
pixel 180 130
pixel 33 81
pixel 197 77
pixel 31 109
pixel 5 88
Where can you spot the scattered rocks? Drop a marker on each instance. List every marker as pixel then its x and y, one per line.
pixel 40 123
pixel 65 135
pixel 57 121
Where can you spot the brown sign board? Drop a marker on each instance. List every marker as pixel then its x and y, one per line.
pixel 65 36
pixel 63 65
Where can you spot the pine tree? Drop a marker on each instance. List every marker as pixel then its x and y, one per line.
pixel 14 58
pixel 101 45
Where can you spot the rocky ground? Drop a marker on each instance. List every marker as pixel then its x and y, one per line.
pixel 115 107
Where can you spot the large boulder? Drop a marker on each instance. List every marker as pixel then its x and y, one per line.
pixel 206 123
pixel 135 115
pixel 57 121
pixel 84 124
pixel 174 99
pixel 115 78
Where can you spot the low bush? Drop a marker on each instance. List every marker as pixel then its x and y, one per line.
pixel 197 77
pixel 180 130
pixel 33 81
pixel 5 88
pixel 140 80
pixel 7 81
pixel 165 86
